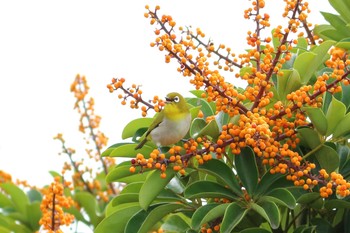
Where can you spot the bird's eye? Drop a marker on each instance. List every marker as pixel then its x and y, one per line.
pixel 176 99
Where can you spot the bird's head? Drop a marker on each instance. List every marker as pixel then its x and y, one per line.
pixel 175 100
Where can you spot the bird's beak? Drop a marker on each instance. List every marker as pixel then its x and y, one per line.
pixel 168 100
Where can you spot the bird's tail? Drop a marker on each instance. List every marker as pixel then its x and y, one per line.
pixel 140 145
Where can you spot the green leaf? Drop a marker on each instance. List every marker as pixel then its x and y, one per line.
pixel 128 151
pixel 328 158
pixel 301 65
pixel 255 230
pixel 336 204
pixel 282 196
pixel 335 113
pixel 18 197
pixel 132 188
pixel 337 22
pixel 197 125
pixel 125 198
pixel 289 82
pixel 307 63
pixel 206 107
pixel 5 202
pixel 309 137
pixel 344 43
pixel 121 172
pixel 34 195
pixel 109 150
pixel 211 214
pixel 117 221
pixel 156 215
pixel 343 127
pixel 33 215
pixel 267 182
pixel 153 185
pixel 313 200
pixel 272 212
pixel 342 7
pixel 222 172
pixel 200 128
pixel 207 189
pixel 194 111
pixel 136 221
pixel 233 216
pixel 199 214
pixel 318 119
pixel 88 202
pixel 110 209
pixel 176 223
pixel 247 169
pixel 134 125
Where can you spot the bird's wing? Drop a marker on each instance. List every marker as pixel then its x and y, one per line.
pixel 157 120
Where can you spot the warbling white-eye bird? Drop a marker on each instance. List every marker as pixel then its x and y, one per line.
pixel 171 124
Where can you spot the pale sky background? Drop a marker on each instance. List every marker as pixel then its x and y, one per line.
pixel 44 44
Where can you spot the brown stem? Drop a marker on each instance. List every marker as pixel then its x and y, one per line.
pixel 274 62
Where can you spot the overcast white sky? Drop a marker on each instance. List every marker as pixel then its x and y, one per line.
pixel 44 44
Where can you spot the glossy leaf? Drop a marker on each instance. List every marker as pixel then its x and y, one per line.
pixel 338 23
pixel 344 44
pixel 199 214
pixel 128 151
pixel 89 203
pixel 211 214
pixel 5 202
pixel 343 127
pixel 117 221
pixel 110 208
pixel 288 82
pixel 282 196
pixel 207 189
pixel 302 63
pixel 247 169
pixel 206 108
pixel 197 125
pixel 233 216
pixel 309 137
pixel 156 215
pixel 255 230
pixel 109 150
pixel 222 172
pixel 307 63
pixel 267 181
pixel 200 128
pixel 18 197
pixel 135 222
pixel 176 223
pixel 272 212
pixel 125 198
pixel 132 188
pixel 34 214
pixel 194 111
pixel 311 199
pixel 134 125
pixel 335 113
pixel 152 186
pixel 328 158
pixel 122 171
pixel 342 7
pixel 318 119
pixel 336 204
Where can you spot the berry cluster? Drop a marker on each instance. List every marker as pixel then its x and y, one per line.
pixel 265 124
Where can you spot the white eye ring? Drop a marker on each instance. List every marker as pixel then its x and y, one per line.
pixel 176 99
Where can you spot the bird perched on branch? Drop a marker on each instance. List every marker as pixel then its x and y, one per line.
pixel 171 124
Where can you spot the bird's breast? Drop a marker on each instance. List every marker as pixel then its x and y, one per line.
pixel 171 130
